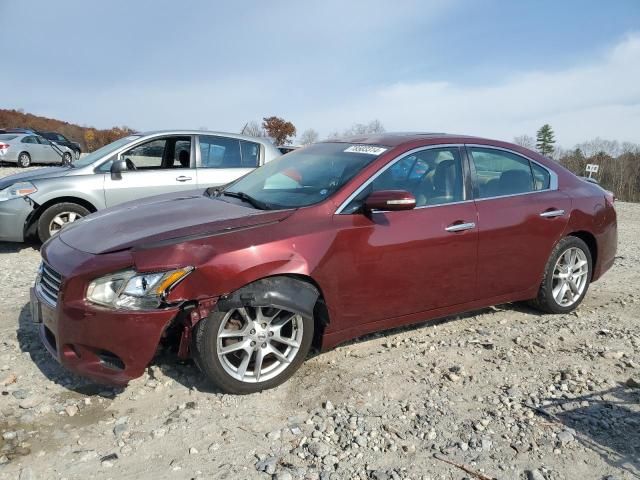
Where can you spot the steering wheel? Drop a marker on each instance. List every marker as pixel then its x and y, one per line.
pixel 130 164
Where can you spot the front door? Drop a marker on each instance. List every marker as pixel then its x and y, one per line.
pixel 157 166
pixel 399 263
pixel 521 216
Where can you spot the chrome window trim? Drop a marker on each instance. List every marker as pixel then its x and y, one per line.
pixel 344 204
pixel 553 176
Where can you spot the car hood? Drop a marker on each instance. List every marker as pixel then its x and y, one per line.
pixel 163 219
pixel 29 175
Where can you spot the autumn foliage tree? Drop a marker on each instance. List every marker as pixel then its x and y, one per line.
pixel 280 130
pixel 89 138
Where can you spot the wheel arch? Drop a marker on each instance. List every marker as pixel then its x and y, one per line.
pixel 590 239
pixel 31 223
pixel 298 291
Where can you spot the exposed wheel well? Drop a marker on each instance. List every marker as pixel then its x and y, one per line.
pixel 320 311
pixel 32 220
pixel 590 240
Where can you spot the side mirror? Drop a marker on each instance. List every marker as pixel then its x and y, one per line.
pixel 390 200
pixel 118 166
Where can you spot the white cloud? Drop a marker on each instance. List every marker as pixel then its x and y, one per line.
pixel 580 102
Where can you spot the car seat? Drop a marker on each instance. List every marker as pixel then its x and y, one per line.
pixel 514 181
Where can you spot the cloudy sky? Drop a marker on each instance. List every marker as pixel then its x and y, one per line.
pixel 495 68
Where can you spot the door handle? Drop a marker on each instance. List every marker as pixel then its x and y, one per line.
pixel 459 227
pixel 182 178
pixel 552 213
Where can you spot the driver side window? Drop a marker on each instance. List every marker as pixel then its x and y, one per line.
pixel 156 154
pixel 433 176
pixel 146 156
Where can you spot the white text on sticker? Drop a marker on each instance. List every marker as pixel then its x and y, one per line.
pixel 368 149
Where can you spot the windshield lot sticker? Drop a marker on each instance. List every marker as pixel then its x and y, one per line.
pixel 368 149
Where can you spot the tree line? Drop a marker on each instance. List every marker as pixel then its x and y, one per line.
pixel 283 132
pixel 619 162
pixel 89 138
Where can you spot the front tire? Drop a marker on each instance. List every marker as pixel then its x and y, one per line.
pixel 253 348
pixel 58 216
pixel 66 158
pixel 566 278
pixel 24 160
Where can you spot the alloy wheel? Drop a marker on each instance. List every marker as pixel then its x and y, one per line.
pixel 61 220
pixel 570 277
pixel 256 344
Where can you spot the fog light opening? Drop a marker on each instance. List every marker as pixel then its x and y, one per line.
pixel 110 360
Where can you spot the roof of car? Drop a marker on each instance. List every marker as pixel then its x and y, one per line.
pixel 393 139
pixel 264 140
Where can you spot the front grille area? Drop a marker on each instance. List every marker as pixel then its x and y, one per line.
pixel 49 284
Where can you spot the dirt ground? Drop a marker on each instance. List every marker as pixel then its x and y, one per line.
pixel 504 392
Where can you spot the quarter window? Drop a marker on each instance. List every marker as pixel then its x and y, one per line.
pixel 30 139
pixel 500 173
pixel 541 177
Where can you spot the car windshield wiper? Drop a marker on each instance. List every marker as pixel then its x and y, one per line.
pixel 247 198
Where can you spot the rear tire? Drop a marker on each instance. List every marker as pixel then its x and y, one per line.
pixel 24 160
pixel 58 216
pixel 566 277
pixel 254 327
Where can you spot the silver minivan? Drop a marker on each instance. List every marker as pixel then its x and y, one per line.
pixel 43 201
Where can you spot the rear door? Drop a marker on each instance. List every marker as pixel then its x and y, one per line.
pixel 36 151
pixel 222 160
pixel 521 216
pixel 49 152
pixel 160 165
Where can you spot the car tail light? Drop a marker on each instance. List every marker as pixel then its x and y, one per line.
pixel 4 146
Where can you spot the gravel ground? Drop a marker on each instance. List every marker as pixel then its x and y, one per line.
pixel 504 392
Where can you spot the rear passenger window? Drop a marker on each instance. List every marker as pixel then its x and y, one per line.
pixel 500 173
pixel 29 140
pixel 220 152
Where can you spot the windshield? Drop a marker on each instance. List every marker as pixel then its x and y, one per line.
pixel 307 176
pixel 103 151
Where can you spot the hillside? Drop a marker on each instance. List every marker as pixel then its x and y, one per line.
pixel 90 138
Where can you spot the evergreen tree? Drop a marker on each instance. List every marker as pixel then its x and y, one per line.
pixel 545 140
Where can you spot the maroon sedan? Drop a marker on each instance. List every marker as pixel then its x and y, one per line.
pixel 325 244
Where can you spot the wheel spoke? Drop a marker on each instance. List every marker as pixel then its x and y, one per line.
pixel 231 333
pixel 242 368
pixel 257 365
pixel 58 221
pixel 234 347
pixel 562 291
pixel 574 288
pixel 72 216
pixel 290 342
pixel 244 314
pixel 279 355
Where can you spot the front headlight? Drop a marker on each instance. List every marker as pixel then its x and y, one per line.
pixel 17 190
pixel 131 290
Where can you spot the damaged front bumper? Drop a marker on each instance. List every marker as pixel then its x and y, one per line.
pixel 107 346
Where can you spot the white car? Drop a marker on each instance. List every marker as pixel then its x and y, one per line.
pixel 27 148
